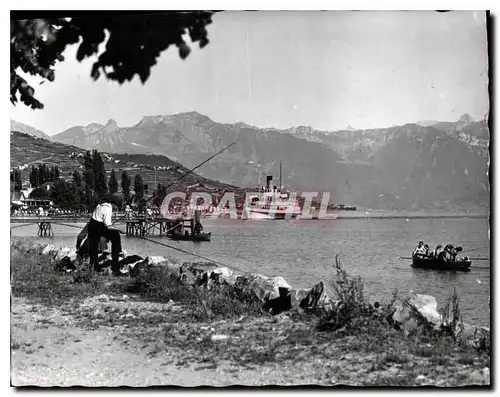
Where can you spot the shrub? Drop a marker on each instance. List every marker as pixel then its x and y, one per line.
pixel 162 284
pixel 352 308
pixel 206 302
pixel 34 276
pixel 451 323
pixel 225 301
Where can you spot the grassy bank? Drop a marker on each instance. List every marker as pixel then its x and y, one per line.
pixel 225 337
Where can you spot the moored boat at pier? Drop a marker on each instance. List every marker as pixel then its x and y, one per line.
pixel 190 237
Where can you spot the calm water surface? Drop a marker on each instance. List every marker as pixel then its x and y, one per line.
pixel 303 252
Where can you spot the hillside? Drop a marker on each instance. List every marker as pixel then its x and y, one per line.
pixel 26 150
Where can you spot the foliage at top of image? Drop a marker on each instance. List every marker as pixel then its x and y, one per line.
pixel 135 42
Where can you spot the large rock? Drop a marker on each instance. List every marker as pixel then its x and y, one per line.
pixel 198 268
pixel 265 288
pixel 219 276
pixel 131 264
pixel 66 252
pixel 126 265
pixel 222 272
pixel 476 337
pixel 196 273
pixel 137 265
pixel 279 304
pixel 481 339
pixel 426 305
pixel 310 299
pixel 163 262
pixel 155 260
pixel 297 296
pixel 65 265
pixel 223 276
pixel 48 249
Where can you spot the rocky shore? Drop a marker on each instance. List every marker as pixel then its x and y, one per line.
pixel 240 324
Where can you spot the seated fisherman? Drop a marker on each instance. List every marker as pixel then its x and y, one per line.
pixel 100 226
pixel 82 243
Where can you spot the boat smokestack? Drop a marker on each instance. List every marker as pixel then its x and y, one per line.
pixel 269 179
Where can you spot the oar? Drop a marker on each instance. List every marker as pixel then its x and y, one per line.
pixel 471 259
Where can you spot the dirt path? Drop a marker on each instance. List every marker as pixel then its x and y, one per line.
pixel 50 349
pixel 119 341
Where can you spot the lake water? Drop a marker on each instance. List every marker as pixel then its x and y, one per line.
pixel 303 252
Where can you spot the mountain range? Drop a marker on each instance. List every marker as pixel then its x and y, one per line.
pixel 424 165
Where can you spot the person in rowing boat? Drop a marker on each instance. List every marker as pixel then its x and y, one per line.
pixel 437 251
pixel 454 252
pixel 448 254
pixel 428 252
pixel 419 251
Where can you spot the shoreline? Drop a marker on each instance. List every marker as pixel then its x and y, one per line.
pixel 312 217
pixel 226 336
pixel 401 215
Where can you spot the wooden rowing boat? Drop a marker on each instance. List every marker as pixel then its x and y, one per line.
pixel 190 237
pixel 433 263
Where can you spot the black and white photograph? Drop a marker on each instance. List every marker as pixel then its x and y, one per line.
pixel 250 198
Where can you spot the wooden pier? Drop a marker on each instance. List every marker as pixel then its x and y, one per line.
pixel 160 226
pixel 137 226
pixel 45 229
pixel 147 227
pixel 45 223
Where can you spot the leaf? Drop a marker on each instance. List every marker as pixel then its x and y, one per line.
pixel 95 74
pixel 144 75
pixel 135 42
pixel 184 50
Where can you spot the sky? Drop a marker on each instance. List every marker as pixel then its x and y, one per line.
pixel 327 70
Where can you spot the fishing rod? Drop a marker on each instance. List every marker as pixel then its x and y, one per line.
pixel 190 253
pixel 189 172
pixel 171 247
